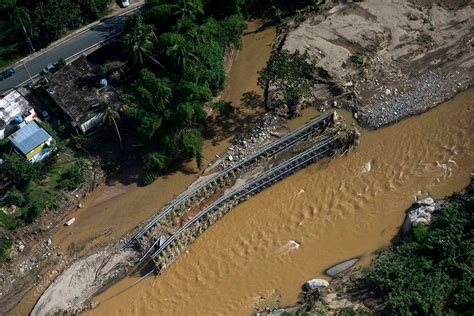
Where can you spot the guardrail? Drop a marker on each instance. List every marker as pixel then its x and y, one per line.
pixel 281 144
pixel 256 185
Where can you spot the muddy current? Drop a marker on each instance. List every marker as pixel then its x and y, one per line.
pixel 263 250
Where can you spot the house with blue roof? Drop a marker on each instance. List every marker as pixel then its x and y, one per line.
pixel 32 142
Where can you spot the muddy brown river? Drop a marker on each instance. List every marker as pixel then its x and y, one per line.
pixel 265 248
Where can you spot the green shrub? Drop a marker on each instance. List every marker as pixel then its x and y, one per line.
pixel 9 222
pixel 33 211
pixel 5 246
pixel 73 177
pixel 16 198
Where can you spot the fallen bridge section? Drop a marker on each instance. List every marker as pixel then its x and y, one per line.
pixel 149 236
pixel 170 249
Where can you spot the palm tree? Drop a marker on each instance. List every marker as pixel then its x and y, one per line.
pixel 109 116
pixel 182 56
pixel 19 17
pixel 138 41
pixel 189 9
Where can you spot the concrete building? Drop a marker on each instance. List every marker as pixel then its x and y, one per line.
pixel 14 111
pixel 77 90
pixel 32 142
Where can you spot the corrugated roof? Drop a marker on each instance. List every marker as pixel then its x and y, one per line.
pixel 29 137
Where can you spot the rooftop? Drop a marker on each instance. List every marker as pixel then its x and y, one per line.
pixel 11 106
pixel 29 137
pixel 74 89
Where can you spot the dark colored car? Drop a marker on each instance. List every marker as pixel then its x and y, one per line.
pixel 7 73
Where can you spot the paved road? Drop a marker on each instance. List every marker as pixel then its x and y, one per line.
pixel 96 35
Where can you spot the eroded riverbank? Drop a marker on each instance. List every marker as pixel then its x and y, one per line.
pixel 347 208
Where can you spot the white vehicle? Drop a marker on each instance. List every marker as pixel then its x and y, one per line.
pixel 125 3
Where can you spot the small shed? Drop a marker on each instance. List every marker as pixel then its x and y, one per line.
pixel 32 142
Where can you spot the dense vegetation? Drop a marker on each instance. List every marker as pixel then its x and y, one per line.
pixel 32 24
pixel 430 274
pixel 177 48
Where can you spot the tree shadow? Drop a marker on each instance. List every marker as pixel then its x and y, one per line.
pixel 262 27
pixel 122 166
pixel 232 120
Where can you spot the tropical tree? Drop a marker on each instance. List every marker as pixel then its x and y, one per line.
pixel 110 116
pixel 138 41
pixel 192 142
pixel 18 170
pixel 189 9
pixel 177 49
pixel 19 17
pixel 290 73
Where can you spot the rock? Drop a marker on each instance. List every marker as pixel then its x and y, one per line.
pixel 314 283
pixel 80 205
pixel 427 201
pixel 356 115
pixel 419 213
pixel 48 242
pixel 70 222
pixel 366 167
pixel 21 247
pixel 231 158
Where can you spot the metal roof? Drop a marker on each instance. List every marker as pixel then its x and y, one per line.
pixel 29 137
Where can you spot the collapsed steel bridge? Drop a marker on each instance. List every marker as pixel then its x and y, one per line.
pixel 163 255
pixel 269 150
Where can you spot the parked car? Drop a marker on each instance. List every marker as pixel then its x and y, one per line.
pixel 125 3
pixel 7 73
pixel 47 69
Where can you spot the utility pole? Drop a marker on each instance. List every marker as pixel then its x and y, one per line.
pixel 29 74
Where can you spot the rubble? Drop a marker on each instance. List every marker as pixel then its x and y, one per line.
pixel 246 144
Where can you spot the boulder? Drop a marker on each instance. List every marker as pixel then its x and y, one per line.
pixel 314 283
pixel 70 222
pixel 427 201
pixel 419 213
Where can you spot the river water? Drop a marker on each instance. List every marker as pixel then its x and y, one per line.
pixel 334 211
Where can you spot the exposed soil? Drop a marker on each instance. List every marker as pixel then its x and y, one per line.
pixel 386 60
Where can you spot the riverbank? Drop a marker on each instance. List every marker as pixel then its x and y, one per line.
pixel 407 276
